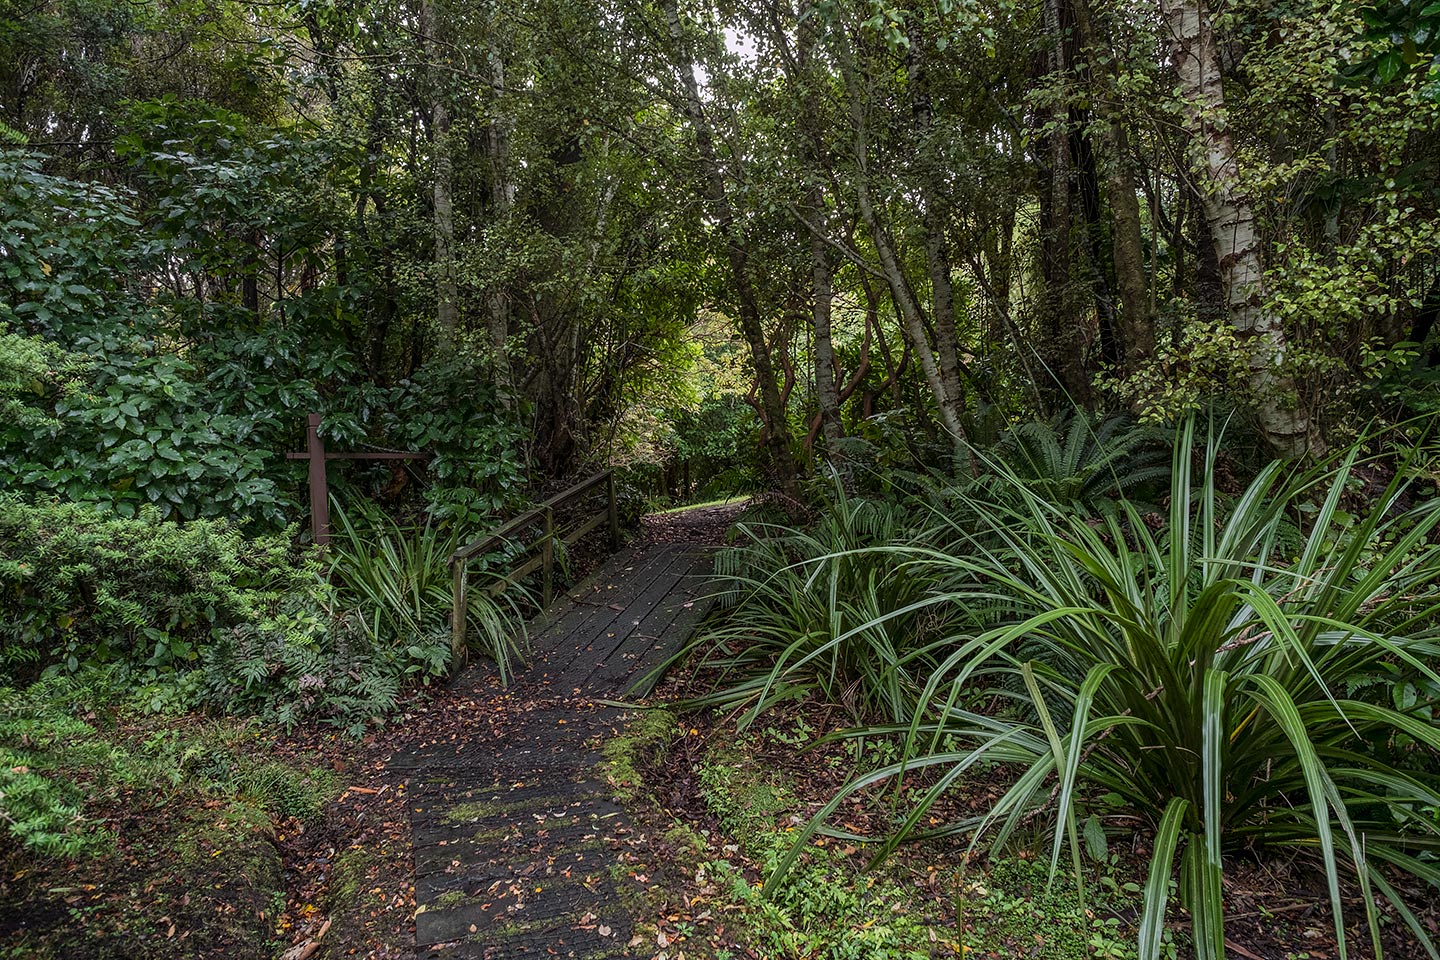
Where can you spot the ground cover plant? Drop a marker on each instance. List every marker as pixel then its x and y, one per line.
pixel 725 809
pixel 811 602
pixel 103 803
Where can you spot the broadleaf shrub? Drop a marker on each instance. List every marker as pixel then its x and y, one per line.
pixel 197 615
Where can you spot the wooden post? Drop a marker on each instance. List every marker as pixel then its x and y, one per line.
pixel 614 511
pixel 459 614
pixel 319 492
pixel 547 552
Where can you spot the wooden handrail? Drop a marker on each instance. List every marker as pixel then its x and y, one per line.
pixel 545 515
pixel 531 516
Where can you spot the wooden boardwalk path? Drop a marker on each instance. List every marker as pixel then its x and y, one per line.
pixel 520 849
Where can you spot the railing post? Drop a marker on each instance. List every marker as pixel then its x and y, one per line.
pixel 319 491
pixel 614 511
pixel 547 551
pixel 459 614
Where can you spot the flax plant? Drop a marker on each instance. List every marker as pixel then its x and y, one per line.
pixel 399 579
pixel 1198 672
pixel 811 614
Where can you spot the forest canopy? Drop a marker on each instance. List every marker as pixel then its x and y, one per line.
pixel 504 233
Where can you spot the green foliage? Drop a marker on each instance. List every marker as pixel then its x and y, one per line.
pixel 78 587
pixel 1075 461
pixel 1409 33
pixel 826 911
pixel 134 397
pixel 54 766
pixel 399 583
pixel 1196 677
pixel 41 808
pixel 1205 358
pixel 1015 906
pixel 31 370
pixel 201 617
pixel 809 612
pixel 134 427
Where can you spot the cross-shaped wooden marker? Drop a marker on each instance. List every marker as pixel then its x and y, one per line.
pixel 319 493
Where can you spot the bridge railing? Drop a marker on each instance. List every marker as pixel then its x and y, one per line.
pixel 521 529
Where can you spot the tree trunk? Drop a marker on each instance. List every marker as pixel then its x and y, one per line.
pixel 822 270
pixel 502 202
pixel 937 253
pixel 1233 230
pixel 826 391
pixel 1137 325
pixel 446 310
pixel 1069 341
pixel 777 430
pixel 906 304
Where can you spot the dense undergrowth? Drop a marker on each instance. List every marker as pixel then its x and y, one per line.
pixel 745 801
pixel 199 616
pixel 130 834
pixel 1212 668
pixel 152 617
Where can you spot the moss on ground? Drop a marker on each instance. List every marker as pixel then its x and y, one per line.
pixel 215 887
pixel 646 737
pixel 346 906
pixel 185 810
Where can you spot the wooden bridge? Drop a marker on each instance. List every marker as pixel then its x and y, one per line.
pixel 520 847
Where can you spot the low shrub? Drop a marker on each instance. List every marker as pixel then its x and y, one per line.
pixel 71 743
pixel 822 611
pixel 79 587
pixel 199 616
pixel 398 582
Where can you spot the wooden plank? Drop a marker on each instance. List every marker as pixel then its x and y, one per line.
pixel 498 534
pixel 515 576
pixel 585 528
pixel 643 676
pixel 592 651
pixel 594 614
pixel 641 636
pixel 591 599
pixel 662 632
pixel 578 490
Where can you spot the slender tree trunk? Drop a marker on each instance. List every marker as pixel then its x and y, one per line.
pixel 777 430
pixel 822 270
pixel 906 303
pixel 826 391
pixel 502 202
pixel 937 252
pixel 1068 344
pixel 893 371
pixel 250 279
pixel 446 309
pixel 1137 324
pixel 1232 226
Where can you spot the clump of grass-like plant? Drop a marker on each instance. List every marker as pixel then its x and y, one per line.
pixel 1199 675
pixel 812 613
pixel 399 581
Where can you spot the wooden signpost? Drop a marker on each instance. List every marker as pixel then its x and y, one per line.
pixel 319 492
